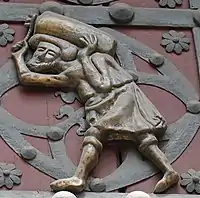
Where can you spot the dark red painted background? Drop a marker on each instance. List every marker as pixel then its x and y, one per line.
pixel 39 107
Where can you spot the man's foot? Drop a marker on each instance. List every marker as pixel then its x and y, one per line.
pixel 168 180
pixel 72 184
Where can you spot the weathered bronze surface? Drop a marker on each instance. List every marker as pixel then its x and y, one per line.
pixel 69 53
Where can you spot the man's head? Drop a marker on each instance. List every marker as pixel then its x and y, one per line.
pixel 49 53
pixel 44 57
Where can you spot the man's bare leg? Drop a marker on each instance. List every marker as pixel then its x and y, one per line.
pixel 149 148
pixel 92 147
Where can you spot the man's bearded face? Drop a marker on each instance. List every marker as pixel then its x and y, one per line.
pixel 44 57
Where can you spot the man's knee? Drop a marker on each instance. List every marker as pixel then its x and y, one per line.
pixel 93 131
pixel 95 142
pixel 94 136
pixel 145 141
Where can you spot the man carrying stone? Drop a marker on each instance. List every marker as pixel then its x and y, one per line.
pixel 116 108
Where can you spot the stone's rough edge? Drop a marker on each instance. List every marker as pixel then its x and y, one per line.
pixel 143 16
pixel 44 194
pixel 194 4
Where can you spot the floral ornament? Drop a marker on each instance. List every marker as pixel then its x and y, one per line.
pixel 175 41
pixel 6 34
pixel 170 3
pixel 191 180
pixel 9 175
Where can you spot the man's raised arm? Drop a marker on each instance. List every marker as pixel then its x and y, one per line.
pixel 27 77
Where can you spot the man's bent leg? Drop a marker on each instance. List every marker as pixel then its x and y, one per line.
pixel 92 147
pixel 149 147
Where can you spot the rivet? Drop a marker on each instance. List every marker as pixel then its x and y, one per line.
pixel 51 6
pixel 193 106
pixel 28 153
pixel 156 59
pixel 55 133
pixel 97 185
pixel 121 12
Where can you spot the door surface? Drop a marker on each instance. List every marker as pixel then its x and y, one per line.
pixel 142 46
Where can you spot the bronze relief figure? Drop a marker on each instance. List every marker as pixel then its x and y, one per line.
pixel 68 53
